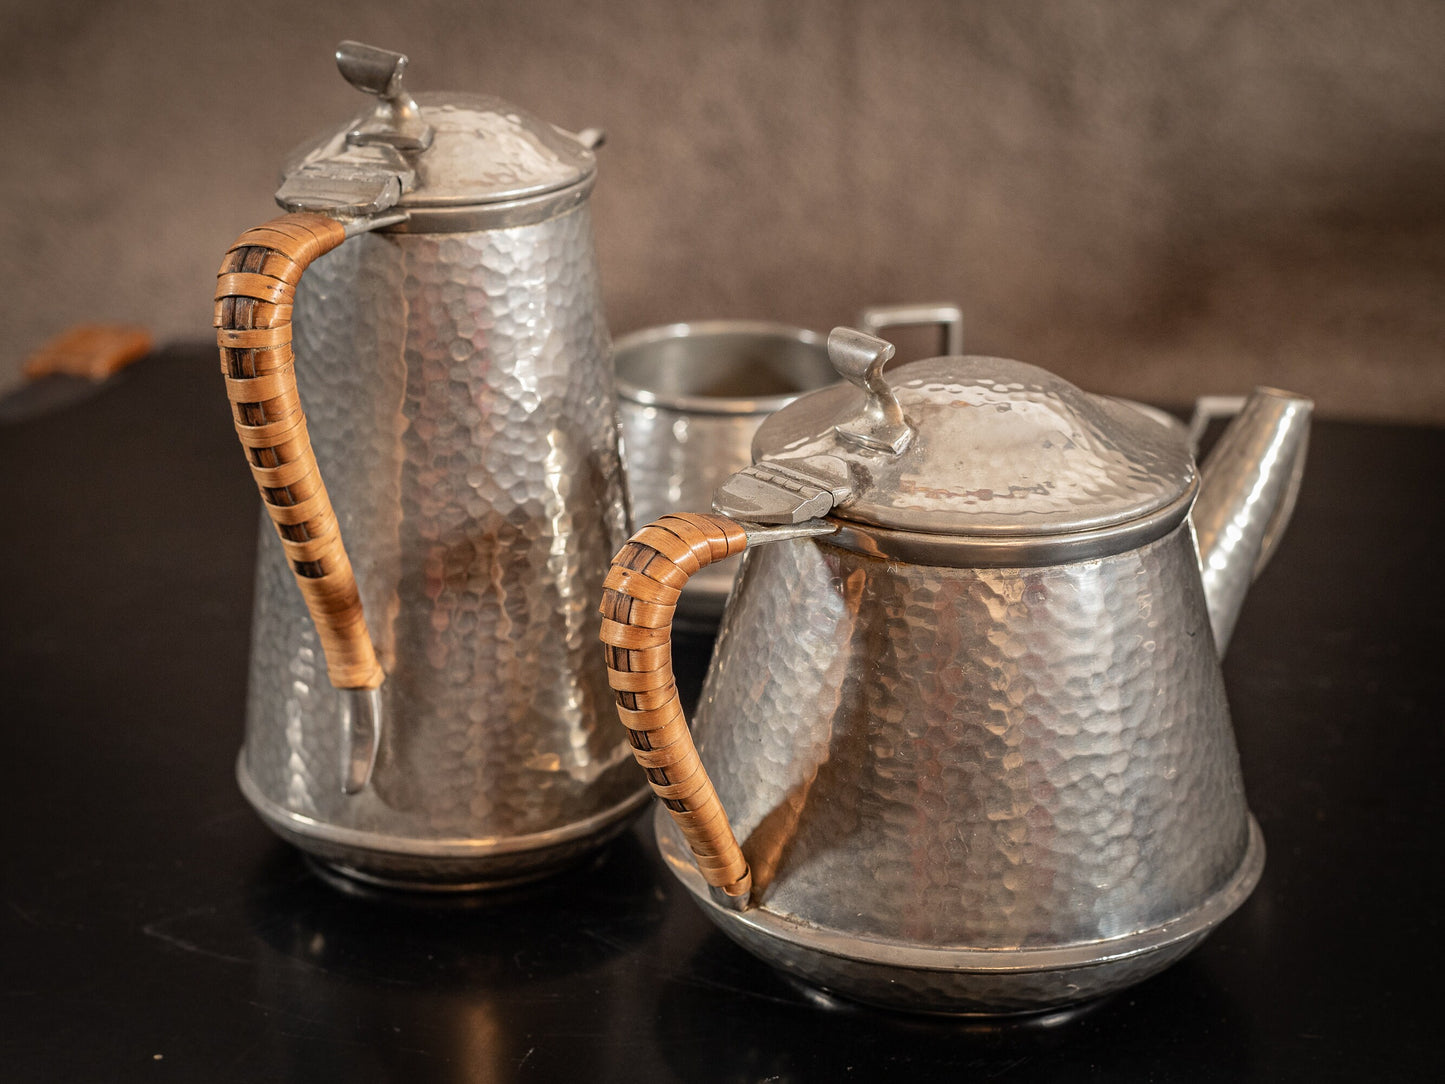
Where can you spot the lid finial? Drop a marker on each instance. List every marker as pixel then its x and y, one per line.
pixel 396 121
pixel 860 358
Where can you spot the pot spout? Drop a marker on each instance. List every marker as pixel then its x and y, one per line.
pixel 1247 492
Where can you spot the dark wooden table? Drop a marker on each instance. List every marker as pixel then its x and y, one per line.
pixel 154 930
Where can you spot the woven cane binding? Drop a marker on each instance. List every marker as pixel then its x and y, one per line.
pixel 640 594
pixel 255 289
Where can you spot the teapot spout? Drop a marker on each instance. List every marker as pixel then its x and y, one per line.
pixel 1248 488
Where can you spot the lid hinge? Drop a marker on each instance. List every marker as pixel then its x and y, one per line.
pixel 785 492
pixel 353 182
pixel 366 172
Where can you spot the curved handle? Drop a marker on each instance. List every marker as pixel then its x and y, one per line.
pixel 943 313
pixel 640 594
pixel 1208 408
pixel 254 292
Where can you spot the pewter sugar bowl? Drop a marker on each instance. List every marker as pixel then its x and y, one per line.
pixel 426 707
pixel 964 745
pixel 690 398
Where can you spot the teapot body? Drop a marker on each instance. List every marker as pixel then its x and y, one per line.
pixel 974 789
pixel 460 404
pixel 964 745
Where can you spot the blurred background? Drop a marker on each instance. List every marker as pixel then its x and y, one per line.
pixel 1153 200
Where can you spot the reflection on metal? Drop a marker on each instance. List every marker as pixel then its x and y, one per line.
pixel 949 317
pixel 592 138
pixel 1006 451
pixel 396 120
pixel 460 401
pixel 1250 482
pixel 1026 765
pixel 375 222
pixel 691 397
pixel 860 359
pixel 355 181
pixel 961 980
pixel 785 492
pixel 1209 408
pixel 457 162
pixel 976 742
pixel 360 737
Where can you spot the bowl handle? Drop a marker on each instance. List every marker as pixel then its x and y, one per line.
pixel 255 289
pixel 878 318
pixel 639 596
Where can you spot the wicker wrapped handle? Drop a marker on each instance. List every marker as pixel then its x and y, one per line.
pixel 640 595
pixel 255 289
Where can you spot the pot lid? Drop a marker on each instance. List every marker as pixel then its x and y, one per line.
pixel 967 446
pixel 429 151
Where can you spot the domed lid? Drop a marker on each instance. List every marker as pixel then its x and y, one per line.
pixel 969 446
pixel 431 151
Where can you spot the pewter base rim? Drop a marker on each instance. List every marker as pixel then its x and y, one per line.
pixel 1002 961
pixel 291 823
pixel 354 880
pixel 1049 1014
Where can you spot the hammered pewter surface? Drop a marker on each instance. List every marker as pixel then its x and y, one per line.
pixel 1000 448
pixel 930 979
pixel 459 396
pixel 483 150
pixel 690 399
pixel 975 757
pixel 674 461
pixel 1250 482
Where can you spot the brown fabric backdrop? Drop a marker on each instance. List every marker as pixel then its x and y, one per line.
pixel 1152 199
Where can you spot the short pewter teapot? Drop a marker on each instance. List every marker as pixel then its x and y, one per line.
pixel 965 712
pixel 454 364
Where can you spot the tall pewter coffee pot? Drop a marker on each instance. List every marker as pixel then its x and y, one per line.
pixel 965 713
pixel 453 361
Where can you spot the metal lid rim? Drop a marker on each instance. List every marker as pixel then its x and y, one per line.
pixel 1013 551
pixel 701 404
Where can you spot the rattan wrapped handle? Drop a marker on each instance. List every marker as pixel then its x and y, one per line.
pixel 255 289
pixel 640 595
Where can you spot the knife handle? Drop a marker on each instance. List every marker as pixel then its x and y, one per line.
pixel 255 289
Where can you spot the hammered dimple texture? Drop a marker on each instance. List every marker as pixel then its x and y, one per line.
pixel 978 758
pixel 999 448
pixel 459 395
pixel 675 459
pixel 1251 480
pixel 485 150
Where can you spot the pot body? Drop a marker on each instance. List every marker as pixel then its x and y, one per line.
pixel 975 790
pixel 460 402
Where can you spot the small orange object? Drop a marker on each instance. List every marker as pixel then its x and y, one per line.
pixel 91 351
